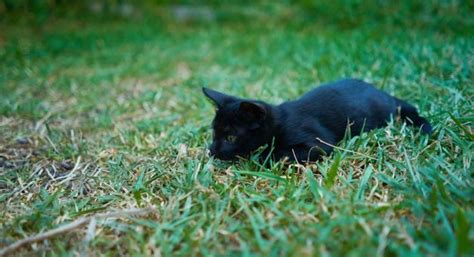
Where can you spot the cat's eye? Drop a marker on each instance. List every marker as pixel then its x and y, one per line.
pixel 231 138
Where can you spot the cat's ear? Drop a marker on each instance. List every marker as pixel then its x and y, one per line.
pixel 253 111
pixel 217 97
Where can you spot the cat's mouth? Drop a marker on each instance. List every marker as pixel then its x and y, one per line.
pixel 224 157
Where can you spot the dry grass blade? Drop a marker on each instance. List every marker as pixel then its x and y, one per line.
pixel 345 150
pixel 70 227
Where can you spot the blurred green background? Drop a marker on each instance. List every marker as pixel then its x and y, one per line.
pixel 444 15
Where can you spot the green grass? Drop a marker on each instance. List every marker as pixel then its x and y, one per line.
pixel 120 101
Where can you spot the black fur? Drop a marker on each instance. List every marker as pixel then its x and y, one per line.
pixel 303 129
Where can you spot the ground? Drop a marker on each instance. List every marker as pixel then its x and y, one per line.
pixel 100 115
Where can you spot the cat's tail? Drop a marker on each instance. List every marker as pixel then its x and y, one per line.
pixel 409 114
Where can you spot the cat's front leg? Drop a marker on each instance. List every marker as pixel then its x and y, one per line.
pixel 303 153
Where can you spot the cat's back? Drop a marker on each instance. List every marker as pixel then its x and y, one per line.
pixel 344 96
pixel 340 88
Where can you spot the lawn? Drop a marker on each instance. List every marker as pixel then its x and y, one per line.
pixel 106 114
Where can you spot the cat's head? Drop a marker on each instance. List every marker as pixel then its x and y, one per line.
pixel 240 125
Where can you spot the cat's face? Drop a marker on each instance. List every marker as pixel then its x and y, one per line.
pixel 239 127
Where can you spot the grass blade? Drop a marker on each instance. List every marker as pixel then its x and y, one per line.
pixel 363 183
pixel 266 175
pixel 313 184
pixel 332 173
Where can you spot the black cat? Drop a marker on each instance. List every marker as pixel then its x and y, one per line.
pixel 304 129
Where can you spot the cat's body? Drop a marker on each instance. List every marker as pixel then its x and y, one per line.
pixel 305 128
